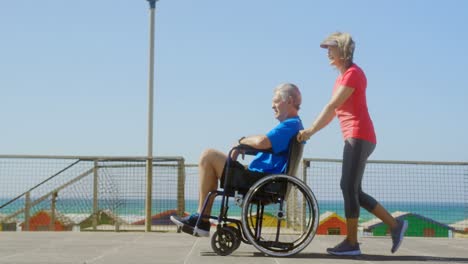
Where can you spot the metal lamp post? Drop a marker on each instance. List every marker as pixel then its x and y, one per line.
pixel 149 161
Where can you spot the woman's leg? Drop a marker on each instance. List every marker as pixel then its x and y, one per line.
pixel 367 201
pixel 352 226
pixel 384 215
pixel 355 156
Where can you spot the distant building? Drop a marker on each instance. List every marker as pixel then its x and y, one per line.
pixel 7 225
pixel 104 217
pixel 268 220
pixel 331 224
pixel 461 226
pixel 41 221
pixel 162 218
pixel 418 226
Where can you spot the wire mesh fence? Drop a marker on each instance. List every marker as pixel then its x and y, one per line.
pixel 431 196
pixel 87 193
pixel 99 193
pixel 191 195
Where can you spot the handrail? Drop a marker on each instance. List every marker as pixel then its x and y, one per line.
pixel 461 163
pixel 39 184
pixel 56 190
pixel 91 158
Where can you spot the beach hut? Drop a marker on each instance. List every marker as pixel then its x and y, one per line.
pixel 331 224
pixel 41 221
pixel 162 218
pixel 365 226
pixel 8 224
pixel 418 226
pixel 104 217
pixel 461 227
pixel 77 218
pixel 268 220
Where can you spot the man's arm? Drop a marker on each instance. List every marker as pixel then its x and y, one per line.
pixel 258 142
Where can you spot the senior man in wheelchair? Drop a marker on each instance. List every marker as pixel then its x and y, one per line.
pixel 212 165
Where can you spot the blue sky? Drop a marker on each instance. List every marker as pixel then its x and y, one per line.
pixel 74 74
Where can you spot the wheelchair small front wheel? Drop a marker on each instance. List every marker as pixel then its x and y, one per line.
pixel 224 241
pixel 238 234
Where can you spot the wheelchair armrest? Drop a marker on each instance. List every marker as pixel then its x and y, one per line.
pixel 249 150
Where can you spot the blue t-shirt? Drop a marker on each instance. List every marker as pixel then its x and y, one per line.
pixel 279 137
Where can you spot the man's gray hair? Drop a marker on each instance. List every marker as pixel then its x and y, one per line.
pixel 285 90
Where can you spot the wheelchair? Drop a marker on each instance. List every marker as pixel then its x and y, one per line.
pixel 279 212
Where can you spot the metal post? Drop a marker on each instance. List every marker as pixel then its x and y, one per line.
pixel 180 187
pixel 305 165
pixel 52 211
pixel 95 195
pixel 293 215
pixel 27 208
pixel 149 161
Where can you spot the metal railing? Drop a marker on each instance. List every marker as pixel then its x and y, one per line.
pixel 87 192
pixel 433 196
pixel 108 193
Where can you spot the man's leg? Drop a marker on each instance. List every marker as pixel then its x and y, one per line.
pixel 210 168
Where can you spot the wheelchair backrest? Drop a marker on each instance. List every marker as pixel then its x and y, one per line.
pixel 296 149
pixel 281 188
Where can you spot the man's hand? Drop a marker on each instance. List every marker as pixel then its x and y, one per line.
pixel 304 135
pixel 235 154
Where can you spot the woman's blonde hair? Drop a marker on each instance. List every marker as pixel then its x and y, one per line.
pixel 345 44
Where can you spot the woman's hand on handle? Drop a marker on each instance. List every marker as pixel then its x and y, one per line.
pixel 303 135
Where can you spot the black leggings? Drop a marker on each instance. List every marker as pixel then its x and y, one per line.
pixel 355 154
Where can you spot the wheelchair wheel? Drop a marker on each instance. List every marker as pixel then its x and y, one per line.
pixel 280 215
pixel 224 241
pixel 238 234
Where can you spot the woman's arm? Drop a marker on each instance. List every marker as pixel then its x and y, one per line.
pixel 328 112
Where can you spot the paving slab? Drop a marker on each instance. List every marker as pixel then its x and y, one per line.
pixel 160 247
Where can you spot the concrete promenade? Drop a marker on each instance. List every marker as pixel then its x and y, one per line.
pixel 155 247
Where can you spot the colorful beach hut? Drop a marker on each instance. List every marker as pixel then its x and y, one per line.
pixel 162 218
pixel 268 220
pixel 461 226
pixel 418 226
pixel 41 221
pixel 331 224
pixel 7 224
pixel 104 217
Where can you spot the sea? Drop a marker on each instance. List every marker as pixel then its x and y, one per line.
pixel 443 212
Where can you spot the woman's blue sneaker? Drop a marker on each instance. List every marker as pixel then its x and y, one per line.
pixel 188 223
pixel 398 233
pixel 345 249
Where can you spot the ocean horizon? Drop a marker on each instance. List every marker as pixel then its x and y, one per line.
pixel 443 212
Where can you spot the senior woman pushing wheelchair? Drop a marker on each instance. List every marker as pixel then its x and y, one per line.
pixel 348 103
pixel 212 165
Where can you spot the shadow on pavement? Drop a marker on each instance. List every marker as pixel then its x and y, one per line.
pixel 363 257
pixel 368 257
